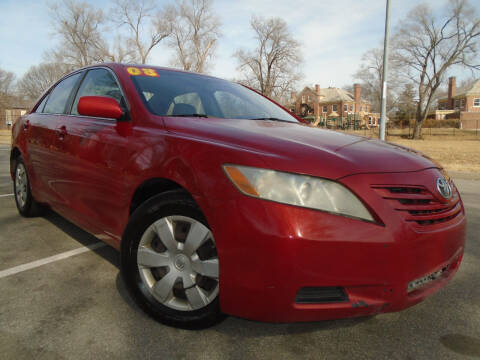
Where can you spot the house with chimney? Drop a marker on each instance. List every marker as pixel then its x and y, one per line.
pixel 463 104
pixel 325 104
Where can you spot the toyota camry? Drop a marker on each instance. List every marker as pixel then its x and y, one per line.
pixel 221 202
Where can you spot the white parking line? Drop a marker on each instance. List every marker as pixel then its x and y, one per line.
pixel 6 195
pixel 48 260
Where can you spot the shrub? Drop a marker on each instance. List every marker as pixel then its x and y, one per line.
pixel 447 123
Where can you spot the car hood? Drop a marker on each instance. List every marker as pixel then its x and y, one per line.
pixel 300 148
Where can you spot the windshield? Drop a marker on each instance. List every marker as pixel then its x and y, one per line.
pixel 179 94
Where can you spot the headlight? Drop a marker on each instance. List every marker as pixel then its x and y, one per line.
pixel 300 190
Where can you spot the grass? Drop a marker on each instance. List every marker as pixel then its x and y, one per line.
pixel 454 155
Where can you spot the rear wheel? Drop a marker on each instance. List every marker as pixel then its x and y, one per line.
pixel 26 204
pixel 170 262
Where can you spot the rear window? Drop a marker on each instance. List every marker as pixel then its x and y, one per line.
pixel 175 93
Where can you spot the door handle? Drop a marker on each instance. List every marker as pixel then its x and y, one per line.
pixel 61 132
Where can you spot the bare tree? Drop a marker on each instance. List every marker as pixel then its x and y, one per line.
pixel 406 104
pixel 119 51
pixel 7 80
pixel 137 16
pixel 78 24
pixel 370 74
pixel 429 45
pixel 195 30
pixel 271 67
pixel 39 78
pixel 464 84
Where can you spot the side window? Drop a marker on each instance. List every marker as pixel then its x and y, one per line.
pixel 42 105
pixel 232 106
pixel 59 96
pixel 186 104
pixel 98 82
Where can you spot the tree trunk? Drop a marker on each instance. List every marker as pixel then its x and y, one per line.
pixel 417 127
pixel 417 130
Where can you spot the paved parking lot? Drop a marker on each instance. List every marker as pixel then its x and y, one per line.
pixel 78 307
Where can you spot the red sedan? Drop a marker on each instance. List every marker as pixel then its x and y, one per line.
pixel 222 202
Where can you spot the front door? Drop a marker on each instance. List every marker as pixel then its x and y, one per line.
pixel 95 156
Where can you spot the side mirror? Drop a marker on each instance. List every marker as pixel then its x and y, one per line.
pixel 100 106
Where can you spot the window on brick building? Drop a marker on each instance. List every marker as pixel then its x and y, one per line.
pixel 366 108
pixel 334 107
pixel 462 103
pixel 476 102
pixel 308 98
pixel 351 107
pixel 303 98
pixel 324 108
pixel 369 120
pixel 456 104
pixel 345 107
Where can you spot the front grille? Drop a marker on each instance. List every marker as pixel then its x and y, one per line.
pixel 418 205
pixel 321 295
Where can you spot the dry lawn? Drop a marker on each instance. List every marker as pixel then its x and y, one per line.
pixel 456 155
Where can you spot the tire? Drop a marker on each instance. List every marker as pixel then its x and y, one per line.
pixel 26 204
pixel 169 262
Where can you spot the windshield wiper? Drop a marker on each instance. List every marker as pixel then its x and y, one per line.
pixel 271 118
pixel 190 115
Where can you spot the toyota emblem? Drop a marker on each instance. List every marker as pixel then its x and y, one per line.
pixel 444 188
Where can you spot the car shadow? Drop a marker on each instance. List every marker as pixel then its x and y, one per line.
pixel 127 298
pixel 234 327
pixel 84 238
pixel 462 344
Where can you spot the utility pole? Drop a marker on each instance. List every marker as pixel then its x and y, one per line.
pixel 383 115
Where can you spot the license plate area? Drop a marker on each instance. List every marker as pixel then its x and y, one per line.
pixel 420 282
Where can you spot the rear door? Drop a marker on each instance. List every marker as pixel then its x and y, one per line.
pixel 94 154
pixel 40 127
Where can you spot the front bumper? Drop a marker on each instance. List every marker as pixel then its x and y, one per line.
pixel 269 251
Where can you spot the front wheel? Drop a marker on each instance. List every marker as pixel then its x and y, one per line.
pixel 170 262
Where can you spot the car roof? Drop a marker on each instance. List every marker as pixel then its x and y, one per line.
pixel 115 65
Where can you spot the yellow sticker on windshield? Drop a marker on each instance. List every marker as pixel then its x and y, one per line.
pixel 135 71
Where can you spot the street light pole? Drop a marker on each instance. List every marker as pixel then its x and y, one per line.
pixel 383 115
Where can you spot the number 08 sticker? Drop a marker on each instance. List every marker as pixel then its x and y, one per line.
pixel 135 71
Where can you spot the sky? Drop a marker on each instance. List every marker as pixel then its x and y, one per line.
pixel 334 34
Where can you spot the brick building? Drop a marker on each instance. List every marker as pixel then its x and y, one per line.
pixel 9 114
pixel 332 103
pixel 459 103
